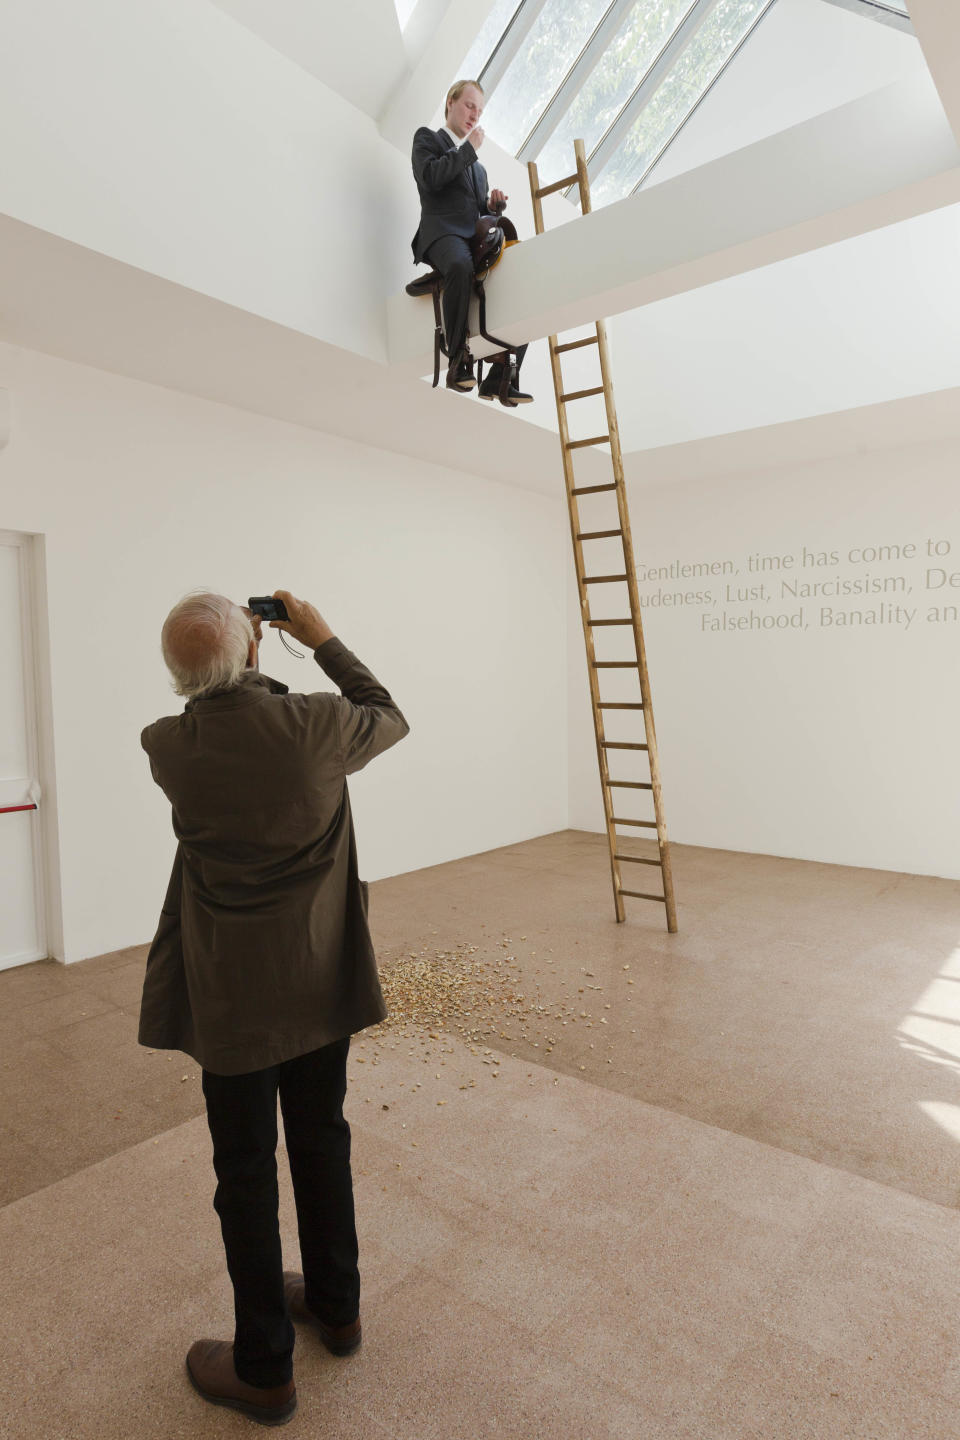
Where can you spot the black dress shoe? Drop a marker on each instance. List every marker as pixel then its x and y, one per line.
pixel 339 1339
pixel 460 374
pixel 492 387
pixel 212 1374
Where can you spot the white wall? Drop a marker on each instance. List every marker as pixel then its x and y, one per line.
pixel 450 588
pixel 323 39
pixel 824 742
pixel 863 321
pixel 804 58
pixel 171 137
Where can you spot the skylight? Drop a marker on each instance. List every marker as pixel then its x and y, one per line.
pixel 707 51
pixel 495 30
pixel 645 29
pixel 549 50
pixel 623 76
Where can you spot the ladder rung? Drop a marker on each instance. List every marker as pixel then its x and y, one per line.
pixel 575 344
pixel 594 440
pixel 581 394
pixel 557 185
pixel 656 852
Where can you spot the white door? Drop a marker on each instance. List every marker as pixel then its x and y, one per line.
pixel 21 890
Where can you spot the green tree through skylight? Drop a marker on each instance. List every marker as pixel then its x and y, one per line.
pixel 645 30
pixel 559 34
pixel 709 47
pixel 603 90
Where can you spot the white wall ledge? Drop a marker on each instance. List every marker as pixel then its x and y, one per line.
pixel 871 163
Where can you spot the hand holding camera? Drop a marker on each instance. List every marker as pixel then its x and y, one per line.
pixel 298 618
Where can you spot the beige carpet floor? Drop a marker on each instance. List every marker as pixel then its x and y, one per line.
pixel 541 1257
pixel 564 1232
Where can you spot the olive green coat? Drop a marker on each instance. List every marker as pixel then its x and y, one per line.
pixel 263 952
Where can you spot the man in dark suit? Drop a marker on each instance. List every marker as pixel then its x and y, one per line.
pixel 453 196
pixel 262 967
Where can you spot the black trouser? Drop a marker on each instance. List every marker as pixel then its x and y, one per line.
pixel 242 1114
pixel 451 256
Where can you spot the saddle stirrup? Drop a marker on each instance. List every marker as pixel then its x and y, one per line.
pixel 508 358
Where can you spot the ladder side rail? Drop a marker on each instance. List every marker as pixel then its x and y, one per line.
pixel 653 754
pixel 616 453
pixel 575 528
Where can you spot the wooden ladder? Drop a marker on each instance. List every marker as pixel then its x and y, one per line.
pixel 595 667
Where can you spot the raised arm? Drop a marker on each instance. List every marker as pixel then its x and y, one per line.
pixel 368 720
pixel 433 166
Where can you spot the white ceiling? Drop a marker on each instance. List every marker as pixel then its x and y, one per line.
pixel 65 300
pixel 930 420
pixel 356 49
pixel 804 58
pixel 72 302
pixel 868 322
pixel 871 319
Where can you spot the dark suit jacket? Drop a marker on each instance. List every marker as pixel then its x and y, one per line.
pixel 452 185
pixel 263 951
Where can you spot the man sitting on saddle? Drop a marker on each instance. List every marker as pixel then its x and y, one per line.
pixel 453 196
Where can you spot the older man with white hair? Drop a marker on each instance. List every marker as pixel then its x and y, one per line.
pixel 262 967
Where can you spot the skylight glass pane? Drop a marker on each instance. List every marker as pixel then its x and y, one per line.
pixel 646 28
pixel 560 33
pixel 673 100
pixel 488 39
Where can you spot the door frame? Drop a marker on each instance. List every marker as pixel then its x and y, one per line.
pixel 30 578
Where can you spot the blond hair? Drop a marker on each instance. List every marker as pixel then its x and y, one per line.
pixel 456 91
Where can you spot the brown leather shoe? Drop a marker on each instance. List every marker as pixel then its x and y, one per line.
pixel 212 1375
pixel 339 1339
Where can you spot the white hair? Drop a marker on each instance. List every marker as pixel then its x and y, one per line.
pixel 206 643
